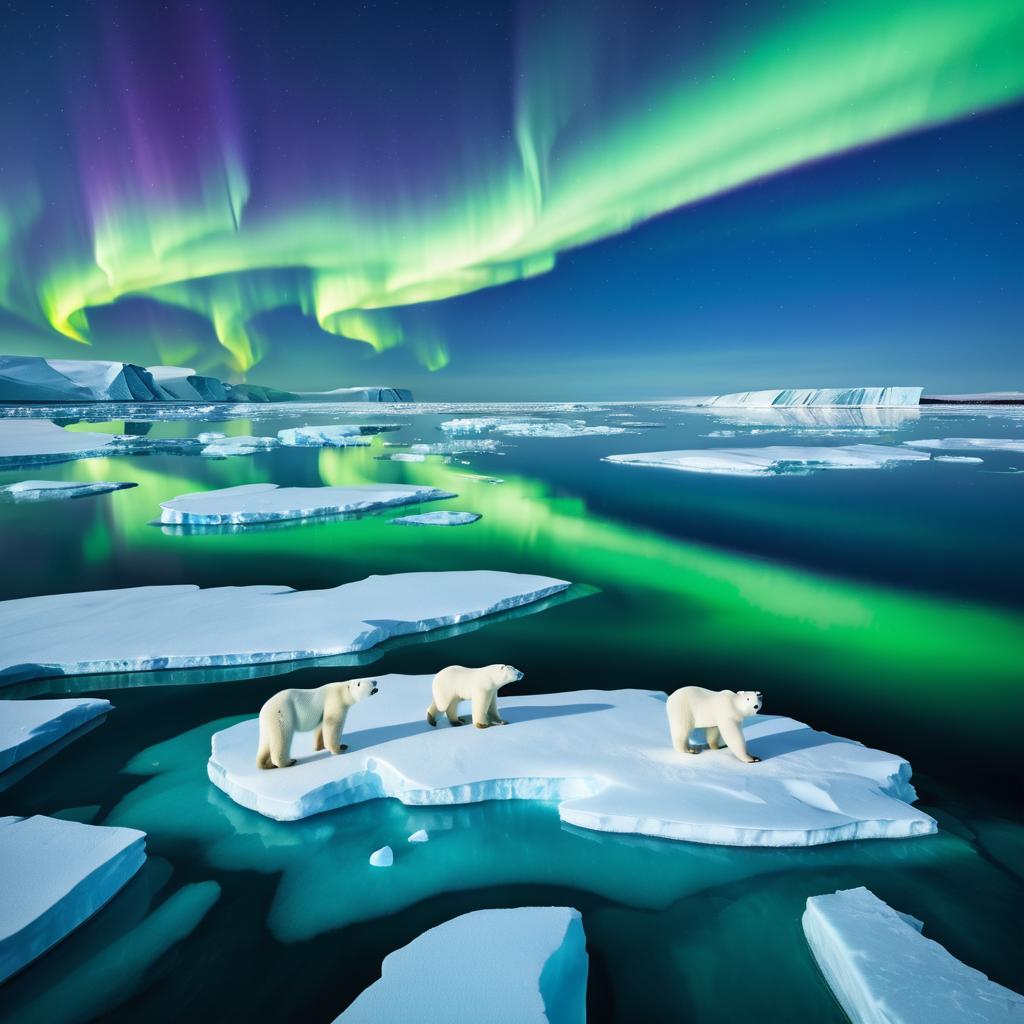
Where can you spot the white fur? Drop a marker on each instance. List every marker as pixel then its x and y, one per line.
pixel 291 711
pixel 479 685
pixel 719 713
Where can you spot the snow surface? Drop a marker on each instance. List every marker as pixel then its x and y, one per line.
pixel 438 519
pixel 526 965
pixel 337 435
pixel 605 755
pixel 887 396
pixel 57 874
pixel 773 460
pixel 382 858
pixel 882 970
pixel 27 726
pixel 147 628
pixel 264 503
pixel 28 440
pixel 57 490
pixel 962 444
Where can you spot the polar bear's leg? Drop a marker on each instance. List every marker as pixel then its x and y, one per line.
pixel 733 736
pixel 334 723
pixel 713 736
pixel 263 754
pixel 681 727
pixel 452 711
pixel 493 718
pixel 432 712
pixel 281 745
pixel 481 702
pixel 318 737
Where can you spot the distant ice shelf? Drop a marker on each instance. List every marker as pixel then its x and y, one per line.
pixel 56 875
pixel 29 726
pixel 773 460
pixel 604 756
pixel 526 965
pixel 59 490
pixel 879 396
pixel 882 970
pixel 148 628
pixel 964 444
pixel 266 503
pixel 438 519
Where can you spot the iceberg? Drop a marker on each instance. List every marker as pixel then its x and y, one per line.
pixel 773 460
pixel 163 627
pixel 963 444
pixel 887 396
pixel 266 503
pixel 438 519
pixel 382 858
pixel 28 726
pixel 37 441
pixel 57 874
pixel 604 756
pixel 340 435
pixel 419 836
pixel 526 965
pixel 356 394
pixel 57 490
pixel 183 384
pixel 882 970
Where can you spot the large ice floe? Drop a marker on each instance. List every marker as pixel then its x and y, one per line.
pixel 437 519
pixel 965 444
pixel 28 441
pixel 28 726
pixel 773 460
pixel 882 970
pixel 59 490
pixel 146 628
pixel 886 396
pixel 606 756
pixel 56 875
pixel 266 503
pixel 526 965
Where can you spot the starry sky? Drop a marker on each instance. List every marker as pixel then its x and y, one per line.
pixel 550 200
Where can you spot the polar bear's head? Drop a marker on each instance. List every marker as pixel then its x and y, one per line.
pixel 748 702
pixel 360 689
pixel 502 674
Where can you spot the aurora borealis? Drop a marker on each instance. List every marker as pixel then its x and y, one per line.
pixel 219 185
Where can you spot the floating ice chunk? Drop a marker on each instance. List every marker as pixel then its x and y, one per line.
pixel 56 875
pixel 557 428
pixel 265 503
pixel 961 444
pixel 382 858
pixel 58 490
pixel 26 441
pixel 772 460
pixel 882 970
pixel 456 447
pixel 473 425
pixel 956 458
pixel 419 836
pixel 404 457
pixel 209 436
pixel 888 396
pixel 604 755
pixel 28 726
pixel 336 435
pixel 239 444
pixel 437 519
pixel 145 628
pixel 540 977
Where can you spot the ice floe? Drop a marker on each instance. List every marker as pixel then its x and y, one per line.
pixel 526 965
pixel 438 519
pixel 265 503
pixel 884 396
pixel 882 970
pixel 238 444
pixel 605 756
pixel 956 458
pixel 382 858
pixel 419 836
pixel 773 460
pixel 56 875
pixel 28 440
pixel 337 435
pixel 557 428
pixel 963 444
pixel 28 726
pixel 161 627
pixel 456 447
pixel 58 490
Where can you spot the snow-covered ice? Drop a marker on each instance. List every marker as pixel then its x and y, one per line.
pixel 438 519
pixel 382 858
pixel 419 836
pixel 887 396
pixel 526 965
pixel 56 875
pixel 28 726
pixel 27 440
pixel 265 503
pixel 147 628
pixel 773 460
pixel 605 756
pixel 58 490
pixel 963 444
pixel 882 970
pixel 336 435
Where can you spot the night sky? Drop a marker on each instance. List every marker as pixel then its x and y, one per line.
pixel 536 200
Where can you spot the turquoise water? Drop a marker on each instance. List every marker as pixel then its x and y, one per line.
pixel 865 603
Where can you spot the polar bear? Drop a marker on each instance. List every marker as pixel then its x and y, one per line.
pixel 719 713
pixel 323 709
pixel 480 685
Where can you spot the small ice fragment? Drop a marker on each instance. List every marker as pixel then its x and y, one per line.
pixel 382 858
pixel 419 836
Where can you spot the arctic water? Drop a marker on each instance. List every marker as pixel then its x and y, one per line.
pixel 883 605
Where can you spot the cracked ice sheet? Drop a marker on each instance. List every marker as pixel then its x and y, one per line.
pixel 963 444
pixel 58 490
pixel 265 503
pixel 28 726
pixel 542 977
pixel 773 460
pixel 605 756
pixel 146 628
pixel 882 969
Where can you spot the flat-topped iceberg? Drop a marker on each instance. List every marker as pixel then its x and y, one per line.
pixel 887 396
pixel 28 726
pixel 146 628
pixel 606 756
pixel 56 875
pixel 437 519
pixel 882 970
pixel 266 503
pixel 335 435
pixel 965 444
pixel 773 460
pixel 526 965
pixel 60 490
